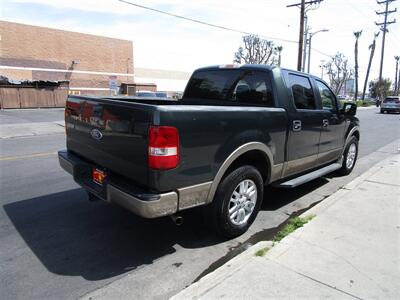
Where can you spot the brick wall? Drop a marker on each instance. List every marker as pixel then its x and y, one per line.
pixel 38 47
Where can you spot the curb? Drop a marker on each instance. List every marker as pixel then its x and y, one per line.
pixel 367 107
pixel 213 279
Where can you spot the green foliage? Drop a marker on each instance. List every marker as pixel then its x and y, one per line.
pixel 364 103
pixel 262 252
pixel 291 226
pixel 380 89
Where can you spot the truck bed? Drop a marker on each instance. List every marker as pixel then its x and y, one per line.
pixel 208 134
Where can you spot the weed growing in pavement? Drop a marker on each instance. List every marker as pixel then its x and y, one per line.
pixel 291 226
pixel 262 251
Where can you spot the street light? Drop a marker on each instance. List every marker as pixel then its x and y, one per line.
pixel 311 34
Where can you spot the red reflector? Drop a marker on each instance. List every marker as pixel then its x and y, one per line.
pixel 98 176
pixel 163 148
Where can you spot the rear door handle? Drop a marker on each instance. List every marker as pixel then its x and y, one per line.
pixel 296 125
pixel 325 123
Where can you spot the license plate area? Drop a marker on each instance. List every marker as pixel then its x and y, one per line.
pixel 98 176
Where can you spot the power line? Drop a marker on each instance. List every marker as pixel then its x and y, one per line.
pixel 320 52
pixel 216 26
pixel 203 22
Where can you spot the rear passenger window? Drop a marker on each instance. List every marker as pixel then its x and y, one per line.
pixel 302 91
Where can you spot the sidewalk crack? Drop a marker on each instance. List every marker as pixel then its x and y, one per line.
pixel 384 183
pixel 319 282
pixel 344 259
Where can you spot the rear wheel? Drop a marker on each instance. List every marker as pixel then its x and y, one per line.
pixel 382 111
pixel 236 202
pixel 349 157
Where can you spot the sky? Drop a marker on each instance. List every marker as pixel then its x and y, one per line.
pixel 164 42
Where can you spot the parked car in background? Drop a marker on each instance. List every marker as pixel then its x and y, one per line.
pixel 162 95
pixel 391 104
pixel 146 94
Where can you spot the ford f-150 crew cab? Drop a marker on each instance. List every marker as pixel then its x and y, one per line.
pixel 236 129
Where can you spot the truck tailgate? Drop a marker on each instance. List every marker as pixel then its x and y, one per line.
pixel 110 134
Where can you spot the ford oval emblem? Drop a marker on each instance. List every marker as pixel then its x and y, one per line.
pixel 96 134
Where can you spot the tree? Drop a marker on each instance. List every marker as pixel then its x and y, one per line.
pixel 256 51
pixel 339 71
pixel 380 88
pixel 279 48
pixel 357 35
pixel 396 84
pixel 371 56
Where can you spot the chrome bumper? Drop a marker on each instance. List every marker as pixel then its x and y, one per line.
pixel 142 204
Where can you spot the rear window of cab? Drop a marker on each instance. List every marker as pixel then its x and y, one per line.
pixel 231 85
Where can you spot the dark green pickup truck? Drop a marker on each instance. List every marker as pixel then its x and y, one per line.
pixel 236 129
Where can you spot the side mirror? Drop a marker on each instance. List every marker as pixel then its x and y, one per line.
pixel 349 109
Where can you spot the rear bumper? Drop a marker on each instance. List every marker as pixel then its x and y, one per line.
pixel 147 205
pixel 390 109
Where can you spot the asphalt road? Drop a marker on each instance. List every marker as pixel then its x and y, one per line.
pixel 54 244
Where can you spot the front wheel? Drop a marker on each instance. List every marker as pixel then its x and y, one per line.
pixel 236 202
pixel 349 157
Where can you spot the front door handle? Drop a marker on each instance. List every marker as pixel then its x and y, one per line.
pixel 325 122
pixel 296 125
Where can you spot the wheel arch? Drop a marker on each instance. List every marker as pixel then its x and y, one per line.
pixel 256 154
pixel 355 131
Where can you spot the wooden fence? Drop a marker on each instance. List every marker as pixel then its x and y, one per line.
pixel 30 97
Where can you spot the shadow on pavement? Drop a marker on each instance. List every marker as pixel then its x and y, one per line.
pixel 74 237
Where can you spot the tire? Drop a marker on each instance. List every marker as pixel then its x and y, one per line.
pixel 244 182
pixel 382 111
pixel 349 157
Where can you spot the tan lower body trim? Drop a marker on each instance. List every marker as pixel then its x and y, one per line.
pixel 194 195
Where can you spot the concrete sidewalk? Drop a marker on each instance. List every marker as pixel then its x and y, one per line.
pixel 31 122
pixel 351 249
pixel 31 129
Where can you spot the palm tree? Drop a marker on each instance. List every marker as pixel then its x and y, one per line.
pixel 357 34
pixel 396 86
pixel 279 48
pixel 371 56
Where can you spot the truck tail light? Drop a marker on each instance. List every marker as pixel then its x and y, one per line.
pixel 163 147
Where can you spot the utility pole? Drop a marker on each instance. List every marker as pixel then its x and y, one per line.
pixel 396 86
pixel 383 27
pixel 322 68
pixel 302 47
pixel 301 36
pixel 303 66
